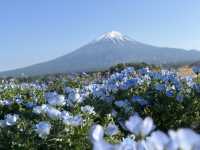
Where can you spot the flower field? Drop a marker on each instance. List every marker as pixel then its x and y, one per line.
pixel 123 109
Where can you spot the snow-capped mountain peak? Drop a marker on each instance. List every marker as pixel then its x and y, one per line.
pixel 113 36
pixel 109 49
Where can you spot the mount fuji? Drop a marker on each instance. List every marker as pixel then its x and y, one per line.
pixel 109 49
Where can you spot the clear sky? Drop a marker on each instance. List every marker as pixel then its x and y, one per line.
pixel 33 31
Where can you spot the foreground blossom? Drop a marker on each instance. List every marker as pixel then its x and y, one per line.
pixel 112 129
pixel 158 141
pixel 11 120
pixel 43 129
pixel 114 98
pixel 184 139
pixel 138 126
pixel 72 120
pixel 54 99
pixel 96 137
pixel 53 113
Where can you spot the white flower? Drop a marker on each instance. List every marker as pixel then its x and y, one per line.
pixel 65 115
pixel 72 120
pixel 40 109
pixel 53 113
pixel 147 126
pixel 43 129
pixel 88 109
pixel 6 102
pixel 75 97
pixel 67 119
pixel 96 137
pixel 61 100
pixel 136 125
pixel 11 119
pixel 184 139
pixel 158 141
pixel 18 100
pixel 96 133
pixel 76 121
pixel 111 129
pixel 54 99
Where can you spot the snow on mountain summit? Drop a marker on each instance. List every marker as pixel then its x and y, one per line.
pixel 113 36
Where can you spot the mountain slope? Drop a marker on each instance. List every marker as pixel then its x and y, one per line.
pixel 109 49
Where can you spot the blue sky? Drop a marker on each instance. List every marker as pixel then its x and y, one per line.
pixel 33 31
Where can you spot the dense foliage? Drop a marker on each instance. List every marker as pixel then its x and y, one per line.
pixel 125 108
